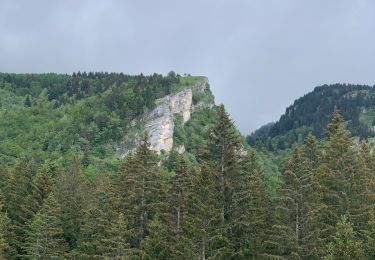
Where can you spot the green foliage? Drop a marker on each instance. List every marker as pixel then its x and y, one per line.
pixel 344 246
pixel 311 113
pixel 44 235
pixel 195 132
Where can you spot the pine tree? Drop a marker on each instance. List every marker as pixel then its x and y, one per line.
pixel 344 246
pixel 44 235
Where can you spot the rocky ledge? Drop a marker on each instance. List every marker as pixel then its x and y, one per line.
pixel 159 123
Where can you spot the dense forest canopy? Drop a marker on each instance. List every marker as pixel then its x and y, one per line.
pixel 64 195
pixel 47 116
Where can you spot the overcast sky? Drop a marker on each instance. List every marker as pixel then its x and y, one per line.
pixel 258 55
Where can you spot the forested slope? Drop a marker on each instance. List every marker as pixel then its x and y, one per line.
pixel 64 195
pixel 312 112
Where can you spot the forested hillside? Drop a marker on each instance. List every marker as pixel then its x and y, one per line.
pixel 64 194
pixel 311 113
pixel 49 116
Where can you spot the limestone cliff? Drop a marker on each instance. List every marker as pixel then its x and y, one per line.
pixel 159 122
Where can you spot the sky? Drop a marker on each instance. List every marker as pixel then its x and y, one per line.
pixel 259 55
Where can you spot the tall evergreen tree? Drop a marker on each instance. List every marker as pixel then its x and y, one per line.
pixel 5 232
pixel 140 190
pixel 203 218
pixel 223 155
pixel 41 187
pixel 45 236
pixel 251 209
pixel 117 245
pixel 288 233
pixel 180 188
pixel 345 246
pixel 72 193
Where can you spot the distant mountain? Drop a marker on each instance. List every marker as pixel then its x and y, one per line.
pixel 312 112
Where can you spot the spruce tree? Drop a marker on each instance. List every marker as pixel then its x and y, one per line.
pixel 140 190
pixel 72 193
pixel 5 232
pixel 18 189
pixel 44 234
pixel 178 194
pixel 41 187
pixel 117 245
pixel 203 218
pixel 331 186
pixel 288 233
pixel 223 154
pixel 345 245
pixel 251 209
pixel 97 219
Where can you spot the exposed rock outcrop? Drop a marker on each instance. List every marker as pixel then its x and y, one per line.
pixel 159 122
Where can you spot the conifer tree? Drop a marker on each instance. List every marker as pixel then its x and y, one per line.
pixel 72 193
pixel 41 187
pixel 223 155
pixel 44 235
pixel 330 186
pixel 156 244
pixel 203 218
pixel 19 188
pixel 345 246
pixel 97 219
pixel 251 211
pixel 117 245
pixel 288 233
pixel 140 190
pixel 180 187
pixel 5 250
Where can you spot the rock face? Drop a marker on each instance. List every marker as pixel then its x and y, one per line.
pixel 159 123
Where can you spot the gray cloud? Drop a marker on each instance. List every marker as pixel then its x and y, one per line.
pixel 259 55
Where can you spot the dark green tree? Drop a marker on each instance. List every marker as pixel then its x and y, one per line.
pixel 140 190
pixel 345 245
pixel 44 234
